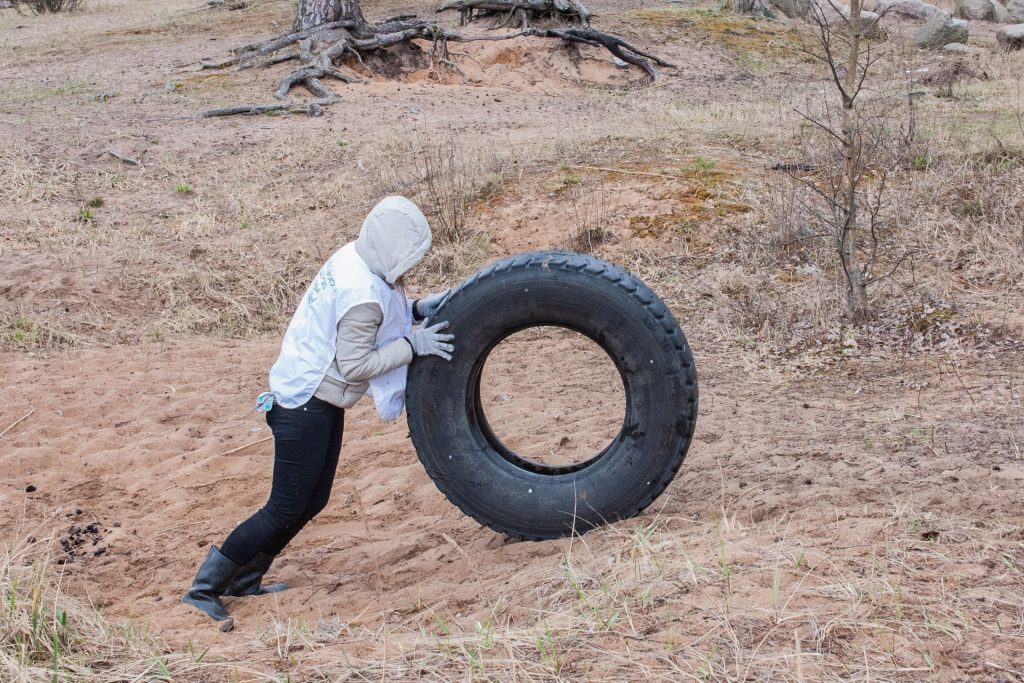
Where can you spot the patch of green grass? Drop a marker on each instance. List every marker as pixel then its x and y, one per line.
pixel 94 202
pixel 547 648
pixel 702 165
pixel 183 188
pixel 754 62
pixel 970 208
pixel 21 332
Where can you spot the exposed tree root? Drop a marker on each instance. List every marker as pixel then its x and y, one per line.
pixel 322 48
pixel 616 46
pixel 572 11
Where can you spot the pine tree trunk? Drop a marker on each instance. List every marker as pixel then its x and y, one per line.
pixel 310 13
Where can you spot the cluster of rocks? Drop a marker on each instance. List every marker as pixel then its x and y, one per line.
pixel 82 539
pixel 941 29
pixel 949 30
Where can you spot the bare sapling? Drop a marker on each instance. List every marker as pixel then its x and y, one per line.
pixel 863 133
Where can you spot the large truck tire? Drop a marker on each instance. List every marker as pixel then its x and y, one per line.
pixel 528 499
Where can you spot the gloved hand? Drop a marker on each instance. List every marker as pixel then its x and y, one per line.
pixel 429 341
pixel 428 305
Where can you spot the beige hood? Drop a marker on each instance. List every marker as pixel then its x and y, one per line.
pixel 393 239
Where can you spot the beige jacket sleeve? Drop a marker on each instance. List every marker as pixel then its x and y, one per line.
pixel 357 360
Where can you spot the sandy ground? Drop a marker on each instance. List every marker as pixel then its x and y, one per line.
pixel 852 518
pixel 915 477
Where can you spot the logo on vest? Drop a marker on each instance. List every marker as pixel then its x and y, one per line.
pixel 323 280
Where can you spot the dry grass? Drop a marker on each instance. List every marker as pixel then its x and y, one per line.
pixel 28 176
pixel 448 176
pixel 99 25
pixel 47 636
pixel 770 279
pixel 763 279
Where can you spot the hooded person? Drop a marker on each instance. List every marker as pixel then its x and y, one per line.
pixel 351 333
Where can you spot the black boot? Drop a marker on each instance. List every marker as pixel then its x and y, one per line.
pixel 212 579
pixel 248 580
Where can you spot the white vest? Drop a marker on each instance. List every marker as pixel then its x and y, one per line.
pixel 309 345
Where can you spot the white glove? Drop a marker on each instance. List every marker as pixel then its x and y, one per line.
pixel 428 305
pixel 429 341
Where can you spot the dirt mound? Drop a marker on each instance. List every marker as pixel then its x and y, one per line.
pixel 530 64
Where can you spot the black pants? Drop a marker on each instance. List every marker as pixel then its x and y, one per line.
pixel 307 441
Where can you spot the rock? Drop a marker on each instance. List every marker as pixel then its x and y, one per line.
pixel 6 4
pixel 834 17
pixel 959 48
pixel 915 9
pixel 794 9
pixel 942 29
pixel 1015 10
pixel 755 8
pixel 868 18
pixel 1011 37
pixel 869 21
pixel 972 10
pixel 979 10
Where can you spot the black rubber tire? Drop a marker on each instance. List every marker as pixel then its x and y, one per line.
pixel 528 500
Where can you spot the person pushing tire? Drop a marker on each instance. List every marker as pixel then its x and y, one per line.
pixel 351 332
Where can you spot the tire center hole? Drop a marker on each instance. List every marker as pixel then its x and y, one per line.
pixel 552 396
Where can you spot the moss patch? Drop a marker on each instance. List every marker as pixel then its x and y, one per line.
pixel 700 193
pixel 752 39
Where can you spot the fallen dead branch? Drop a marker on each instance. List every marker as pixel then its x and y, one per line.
pixel 315 108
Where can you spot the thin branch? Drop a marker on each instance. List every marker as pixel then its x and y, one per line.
pixel 819 125
pixel 251 443
pixel 17 422
pixel 124 159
